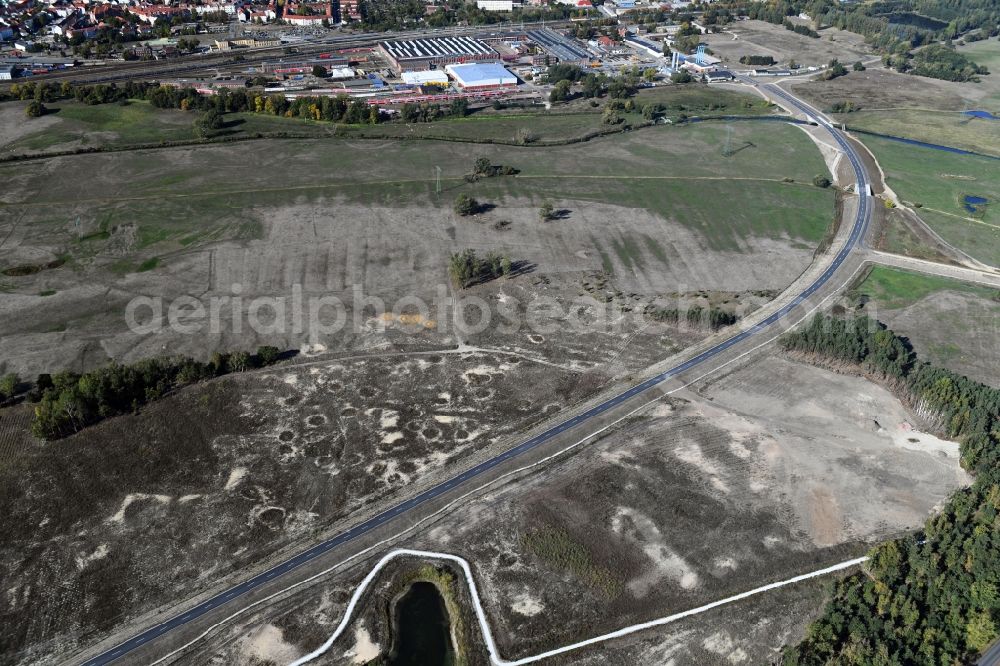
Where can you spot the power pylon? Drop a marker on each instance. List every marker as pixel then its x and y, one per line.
pixel 727 149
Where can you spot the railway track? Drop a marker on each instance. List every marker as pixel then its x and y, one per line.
pixel 146 70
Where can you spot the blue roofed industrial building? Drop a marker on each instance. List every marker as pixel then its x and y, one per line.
pixel 482 76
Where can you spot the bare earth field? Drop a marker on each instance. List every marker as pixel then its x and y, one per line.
pixel 148 508
pixel 774 470
pixel 935 116
pixel 141 510
pixel 878 88
pixel 364 215
pixel 766 39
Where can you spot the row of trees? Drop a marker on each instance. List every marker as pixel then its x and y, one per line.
pixel 333 109
pixel 426 112
pixel 695 316
pixel 764 60
pixel 69 402
pixel 800 29
pixel 933 597
pixel 483 167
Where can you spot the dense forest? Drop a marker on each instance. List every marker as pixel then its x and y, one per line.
pixel 940 62
pixel 932 597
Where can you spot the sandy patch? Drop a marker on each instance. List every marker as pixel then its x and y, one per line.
pixel 692 454
pixel 527 604
pixel 915 440
pixel 99 554
pixel 391 437
pixel 666 563
pixel 722 645
pixel 268 644
pixel 235 476
pixel 825 517
pixel 136 497
pixel 364 649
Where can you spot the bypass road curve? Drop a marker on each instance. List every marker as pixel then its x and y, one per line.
pixel 858 230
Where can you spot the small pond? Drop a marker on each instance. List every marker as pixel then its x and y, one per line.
pixel 973 203
pixel 423 631
pixel 982 114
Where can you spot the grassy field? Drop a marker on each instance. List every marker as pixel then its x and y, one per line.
pixel 949 128
pixel 978 239
pixel 939 182
pixel 72 125
pixel 192 196
pixel 948 322
pixel 107 125
pixel 987 53
pixel 779 210
pixel 894 288
pixel 558 549
pixel 704 101
pixel 541 125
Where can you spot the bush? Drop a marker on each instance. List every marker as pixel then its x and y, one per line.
pixel 821 181
pixel 834 70
pixel 35 109
pixel 466 205
pixel 560 92
pixel 8 386
pixel 844 107
pixel 267 355
pixel 210 121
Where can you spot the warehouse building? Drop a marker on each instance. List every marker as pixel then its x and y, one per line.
pixel 429 77
pixel 482 76
pixel 419 54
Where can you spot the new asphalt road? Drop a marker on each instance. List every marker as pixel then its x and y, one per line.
pixel 858 230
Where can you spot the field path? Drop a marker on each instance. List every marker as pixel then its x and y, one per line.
pixel 484 626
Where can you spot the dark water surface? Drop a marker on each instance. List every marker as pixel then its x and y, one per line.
pixel 423 630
